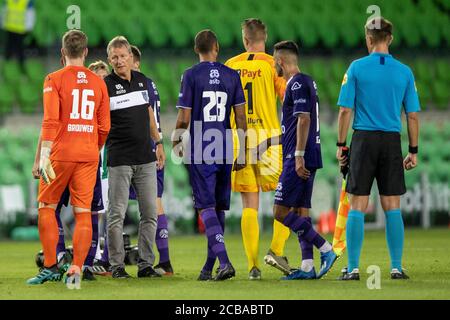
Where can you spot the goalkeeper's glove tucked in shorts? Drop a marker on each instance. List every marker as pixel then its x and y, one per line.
pixel 45 166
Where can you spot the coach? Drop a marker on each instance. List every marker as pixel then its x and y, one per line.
pixel 376 88
pixel 131 159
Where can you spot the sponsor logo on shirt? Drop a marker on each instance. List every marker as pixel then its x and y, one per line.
pixel 82 78
pixel 278 192
pixel 214 75
pixel 245 73
pixel 120 89
pixel 344 81
pixel 300 101
pixel 141 84
pixel 254 121
pixel 296 86
pixel 48 89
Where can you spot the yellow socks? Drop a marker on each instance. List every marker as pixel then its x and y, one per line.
pixel 250 236
pixel 280 235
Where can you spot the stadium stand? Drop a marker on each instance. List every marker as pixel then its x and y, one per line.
pixel 24 89
pixel 329 42
pixel 17 156
pixel 315 22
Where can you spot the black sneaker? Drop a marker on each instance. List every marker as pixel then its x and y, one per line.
pixel 101 268
pixel 148 272
pixel 120 273
pixel 344 271
pixel 205 276
pixel 354 275
pixel 398 275
pixel 225 273
pixel 164 269
pixel 88 275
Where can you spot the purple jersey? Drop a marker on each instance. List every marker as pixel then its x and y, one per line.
pixel 155 103
pixel 301 97
pixel 210 89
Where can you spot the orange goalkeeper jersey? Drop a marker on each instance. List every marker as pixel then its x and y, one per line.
pixel 76 114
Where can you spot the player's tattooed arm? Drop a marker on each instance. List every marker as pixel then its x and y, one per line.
pixel 303 123
pixel 241 125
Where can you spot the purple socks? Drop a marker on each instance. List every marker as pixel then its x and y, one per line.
pixel 211 258
pixel 89 262
pixel 214 234
pixel 303 228
pixel 162 239
pixel 305 245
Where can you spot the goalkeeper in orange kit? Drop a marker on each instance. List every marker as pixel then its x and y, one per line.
pixel 75 126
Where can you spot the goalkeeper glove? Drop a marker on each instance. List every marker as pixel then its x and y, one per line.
pixel 45 166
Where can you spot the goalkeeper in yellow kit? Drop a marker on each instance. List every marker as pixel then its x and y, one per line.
pixel 264 162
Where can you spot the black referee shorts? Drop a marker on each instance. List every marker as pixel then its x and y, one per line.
pixel 376 154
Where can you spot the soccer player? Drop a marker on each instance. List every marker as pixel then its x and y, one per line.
pixel 75 126
pixel 209 90
pixel 164 267
pixel 301 158
pixel 100 68
pixel 262 86
pixel 377 87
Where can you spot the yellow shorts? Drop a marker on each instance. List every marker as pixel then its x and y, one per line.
pixel 259 175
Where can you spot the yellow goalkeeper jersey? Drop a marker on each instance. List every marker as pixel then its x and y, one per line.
pixel 261 87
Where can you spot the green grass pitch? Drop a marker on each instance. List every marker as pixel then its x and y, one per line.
pixel 426 258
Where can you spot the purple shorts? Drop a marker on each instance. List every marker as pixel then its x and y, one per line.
pixel 160 190
pixel 211 185
pixel 293 191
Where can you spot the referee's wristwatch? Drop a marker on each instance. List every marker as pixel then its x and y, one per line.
pixel 413 150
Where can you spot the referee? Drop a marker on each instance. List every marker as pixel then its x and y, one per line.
pixel 376 88
pixel 131 160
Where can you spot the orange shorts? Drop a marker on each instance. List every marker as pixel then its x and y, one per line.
pixel 79 176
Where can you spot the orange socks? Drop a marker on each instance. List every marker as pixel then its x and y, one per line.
pixel 82 237
pixel 48 233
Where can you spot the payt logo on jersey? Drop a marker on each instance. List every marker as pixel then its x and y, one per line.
pixel 214 75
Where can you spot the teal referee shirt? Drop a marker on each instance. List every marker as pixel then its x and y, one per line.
pixel 377 87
